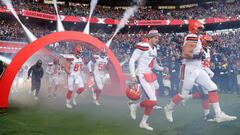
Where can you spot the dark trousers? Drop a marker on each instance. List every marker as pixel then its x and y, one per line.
pixel 233 84
pixel 36 84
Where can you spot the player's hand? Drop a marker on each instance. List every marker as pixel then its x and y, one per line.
pixel 200 56
pixel 68 73
pixel 165 70
pixel 134 79
pixel 28 77
pixel 91 74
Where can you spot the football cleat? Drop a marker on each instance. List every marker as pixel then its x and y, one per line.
pixel 157 107
pixel 221 117
pixel 69 106
pixel 209 117
pixel 36 98
pixel 145 126
pixel 96 102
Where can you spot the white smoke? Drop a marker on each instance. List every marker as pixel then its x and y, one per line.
pixel 5 60
pixel 59 22
pixel 127 14
pixel 29 34
pixel 92 7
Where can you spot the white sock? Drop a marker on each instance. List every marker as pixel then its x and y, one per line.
pixel 216 108
pixel 171 105
pixel 68 101
pixel 206 112
pixel 145 118
pixel 75 95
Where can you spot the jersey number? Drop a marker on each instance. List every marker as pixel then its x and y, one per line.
pixel 101 67
pixel 78 66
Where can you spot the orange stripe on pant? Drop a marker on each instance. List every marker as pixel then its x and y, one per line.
pixel 183 71
pixel 213 97
pixel 148 105
pixel 176 99
pixel 205 104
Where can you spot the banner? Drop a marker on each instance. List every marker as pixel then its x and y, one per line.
pixel 109 21
pixel 39 15
pixel 11 47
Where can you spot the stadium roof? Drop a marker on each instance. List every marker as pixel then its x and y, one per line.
pixel 147 2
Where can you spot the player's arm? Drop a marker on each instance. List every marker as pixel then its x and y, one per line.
pixel 135 56
pixel 30 71
pixel 157 67
pixel 67 66
pixel 41 73
pixel 48 70
pixel 187 50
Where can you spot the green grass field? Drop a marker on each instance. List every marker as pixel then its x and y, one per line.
pixel 50 117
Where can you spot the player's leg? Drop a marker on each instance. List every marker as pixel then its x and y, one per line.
pixel 70 81
pixel 188 75
pixel 99 87
pixel 205 81
pixel 38 86
pixel 148 103
pixel 50 86
pixel 55 86
pixel 80 88
pixel 156 87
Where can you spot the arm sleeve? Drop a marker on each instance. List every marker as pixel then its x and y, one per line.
pixel 48 70
pixel 30 71
pixel 135 56
pixel 156 66
pixel 42 73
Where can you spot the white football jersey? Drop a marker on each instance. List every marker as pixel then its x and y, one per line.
pixel 100 64
pixel 145 55
pixel 77 65
pixel 53 69
pixel 193 38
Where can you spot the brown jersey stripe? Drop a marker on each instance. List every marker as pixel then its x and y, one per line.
pixel 143 48
pixel 192 41
pixel 69 59
pixel 192 38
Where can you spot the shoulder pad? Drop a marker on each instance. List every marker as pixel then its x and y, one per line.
pixel 95 56
pixel 192 38
pixel 50 64
pixel 142 46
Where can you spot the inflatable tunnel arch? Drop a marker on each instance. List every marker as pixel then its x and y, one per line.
pixel 29 50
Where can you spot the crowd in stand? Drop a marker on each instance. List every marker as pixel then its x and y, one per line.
pixel 225 49
pixel 215 9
